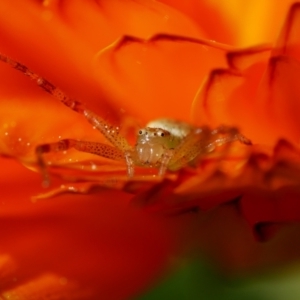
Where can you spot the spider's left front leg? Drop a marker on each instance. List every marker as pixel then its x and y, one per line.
pixel 194 144
pixel 226 135
pixel 100 149
pixel 201 141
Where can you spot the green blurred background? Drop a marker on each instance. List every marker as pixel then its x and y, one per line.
pixel 196 280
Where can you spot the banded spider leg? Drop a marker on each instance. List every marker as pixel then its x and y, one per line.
pixel 120 149
pixel 201 141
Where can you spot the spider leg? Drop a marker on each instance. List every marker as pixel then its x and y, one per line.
pixel 194 144
pixel 111 132
pixel 224 134
pixel 202 141
pixel 44 84
pixel 108 130
pixel 100 149
pixel 165 161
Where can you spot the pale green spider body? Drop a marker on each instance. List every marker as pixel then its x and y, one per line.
pixel 157 138
pixel 170 144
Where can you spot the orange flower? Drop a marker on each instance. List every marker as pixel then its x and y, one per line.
pixel 141 60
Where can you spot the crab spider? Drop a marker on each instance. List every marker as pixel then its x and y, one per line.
pixel 164 144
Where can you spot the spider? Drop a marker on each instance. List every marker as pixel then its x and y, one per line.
pixel 164 144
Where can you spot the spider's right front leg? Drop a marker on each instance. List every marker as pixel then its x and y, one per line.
pixel 100 149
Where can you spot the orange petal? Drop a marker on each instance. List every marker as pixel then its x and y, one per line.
pixel 254 58
pixel 142 73
pixel 259 23
pixel 277 100
pixel 210 105
pixel 288 42
pixel 263 176
pixel 267 212
pixel 60 21
pixel 140 18
pixel 76 245
pixel 53 56
pixel 25 124
pixel 238 97
pixel 209 17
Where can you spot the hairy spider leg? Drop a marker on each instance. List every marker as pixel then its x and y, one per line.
pixel 229 134
pixel 103 150
pixel 44 84
pixel 225 136
pixel 164 163
pixel 197 142
pixel 113 135
pixel 111 132
pixel 201 141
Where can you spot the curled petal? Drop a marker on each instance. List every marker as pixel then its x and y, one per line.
pixel 64 26
pixel 272 100
pixel 213 21
pixel 263 186
pixel 121 18
pixel 254 58
pixel 211 103
pixel 277 99
pixel 75 247
pixel 259 23
pixel 288 42
pixel 75 76
pixel 238 96
pixel 131 64
pixel 267 211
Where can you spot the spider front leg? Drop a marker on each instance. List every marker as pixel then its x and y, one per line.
pixel 201 141
pixel 100 149
pixel 225 135
pixel 194 144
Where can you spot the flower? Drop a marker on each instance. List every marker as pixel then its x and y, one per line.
pixel 118 58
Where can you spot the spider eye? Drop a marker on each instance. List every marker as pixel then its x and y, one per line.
pixel 162 134
pixel 140 132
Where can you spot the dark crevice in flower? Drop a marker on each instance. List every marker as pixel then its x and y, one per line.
pixel 155 194
pixel 183 211
pixel 264 231
pixel 273 67
pixel 286 35
pixel 127 39
pixel 234 56
pixel 235 201
pixel 213 80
